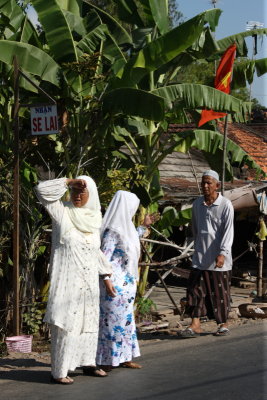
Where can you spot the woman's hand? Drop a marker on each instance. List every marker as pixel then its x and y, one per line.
pixel 111 291
pixel 151 219
pixel 77 183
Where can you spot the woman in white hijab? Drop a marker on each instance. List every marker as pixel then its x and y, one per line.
pixel 117 343
pixel 76 263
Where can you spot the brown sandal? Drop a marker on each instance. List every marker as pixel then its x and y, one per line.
pixel 130 364
pixel 94 371
pixel 68 382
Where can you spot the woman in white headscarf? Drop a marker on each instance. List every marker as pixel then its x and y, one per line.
pixel 76 263
pixel 117 344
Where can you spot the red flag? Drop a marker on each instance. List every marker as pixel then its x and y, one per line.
pixel 222 82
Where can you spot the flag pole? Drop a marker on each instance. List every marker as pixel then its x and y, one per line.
pixel 224 153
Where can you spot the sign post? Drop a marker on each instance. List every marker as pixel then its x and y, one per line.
pixel 44 121
pixel 16 323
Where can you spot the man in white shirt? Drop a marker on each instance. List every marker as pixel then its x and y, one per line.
pixel 210 279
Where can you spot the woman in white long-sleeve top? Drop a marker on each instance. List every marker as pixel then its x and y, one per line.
pixel 76 263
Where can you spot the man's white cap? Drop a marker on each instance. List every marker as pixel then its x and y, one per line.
pixel 213 174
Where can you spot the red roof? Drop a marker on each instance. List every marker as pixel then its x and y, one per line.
pixel 251 138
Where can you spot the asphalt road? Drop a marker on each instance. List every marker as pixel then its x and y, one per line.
pixel 204 368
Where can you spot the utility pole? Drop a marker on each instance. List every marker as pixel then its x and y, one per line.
pixel 251 25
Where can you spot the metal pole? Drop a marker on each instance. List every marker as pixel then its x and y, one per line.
pixel 16 327
pixel 224 153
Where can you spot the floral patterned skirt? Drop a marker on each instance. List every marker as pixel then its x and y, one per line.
pixel 117 341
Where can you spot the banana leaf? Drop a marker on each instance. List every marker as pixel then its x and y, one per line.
pixel 30 59
pixel 91 40
pixel 162 50
pixel 239 39
pixel 261 66
pixel 10 9
pixel 29 34
pixel 198 96
pixel 211 142
pixel 159 11
pixel 57 30
pixel 74 6
pixel 128 12
pixel 134 102
pixel 75 22
pixel 171 217
pixel 119 32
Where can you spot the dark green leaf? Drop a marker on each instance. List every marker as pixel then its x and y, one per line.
pixel 134 102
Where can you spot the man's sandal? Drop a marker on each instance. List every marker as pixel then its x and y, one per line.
pixel 188 333
pixel 222 331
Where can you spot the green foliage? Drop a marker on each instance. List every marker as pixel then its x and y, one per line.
pixel 121 179
pixel 32 319
pixel 171 217
pixel 144 306
pixel 3 349
pixel 112 68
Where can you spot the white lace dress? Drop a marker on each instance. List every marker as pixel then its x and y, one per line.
pixel 73 303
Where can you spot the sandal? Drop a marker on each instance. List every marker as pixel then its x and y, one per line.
pixel 60 382
pixel 130 364
pixel 94 371
pixel 188 333
pixel 222 331
pixel 106 368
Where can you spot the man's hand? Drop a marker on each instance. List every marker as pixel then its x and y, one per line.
pixel 111 291
pixel 219 261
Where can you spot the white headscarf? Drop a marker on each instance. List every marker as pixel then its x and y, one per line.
pixel 118 218
pixel 87 218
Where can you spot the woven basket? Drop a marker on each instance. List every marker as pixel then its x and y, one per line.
pixel 19 344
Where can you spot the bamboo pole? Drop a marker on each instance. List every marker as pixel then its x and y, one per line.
pixel 16 325
pixel 163 283
pixel 260 269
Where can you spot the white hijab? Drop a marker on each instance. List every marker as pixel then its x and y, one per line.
pixel 88 218
pixel 118 218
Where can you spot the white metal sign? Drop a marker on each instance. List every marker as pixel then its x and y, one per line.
pixel 44 120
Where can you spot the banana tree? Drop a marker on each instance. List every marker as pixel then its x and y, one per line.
pixel 133 60
pixel 147 81
pixel 114 86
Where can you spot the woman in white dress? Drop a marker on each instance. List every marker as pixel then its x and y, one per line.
pixel 76 263
pixel 117 344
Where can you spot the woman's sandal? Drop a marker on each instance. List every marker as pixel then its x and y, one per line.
pixel 222 331
pixel 130 364
pixel 95 371
pixel 69 381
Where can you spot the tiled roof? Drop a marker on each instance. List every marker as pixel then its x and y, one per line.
pixel 183 191
pixel 251 138
pixel 177 179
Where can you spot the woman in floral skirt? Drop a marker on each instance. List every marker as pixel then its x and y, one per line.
pixel 117 343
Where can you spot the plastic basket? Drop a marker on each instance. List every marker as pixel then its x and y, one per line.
pixel 19 344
